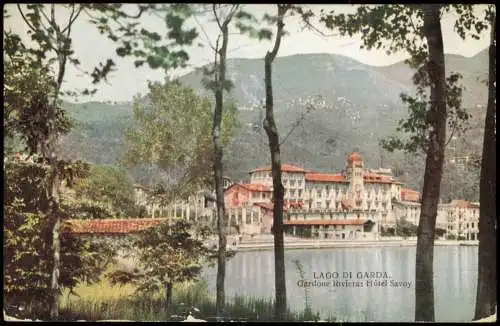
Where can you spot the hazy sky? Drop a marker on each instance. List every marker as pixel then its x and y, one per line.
pixel 91 48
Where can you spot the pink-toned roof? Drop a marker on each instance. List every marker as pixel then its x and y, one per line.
pixel 410 195
pixel 284 168
pixel 325 177
pixel 354 157
pixel 324 222
pixel 113 226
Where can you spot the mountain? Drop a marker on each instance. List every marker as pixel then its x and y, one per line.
pixel 354 106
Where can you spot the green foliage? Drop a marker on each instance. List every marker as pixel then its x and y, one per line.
pixel 29 114
pixel 368 226
pixel 387 232
pixel 109 186
pixel 307 296
pixel 400 28
pixel 134 40
pixel 417 125
pixel 440 232
pixel 53 41
pixel 28 242
pixel 405 228
pixel 172 130
pixel 166 254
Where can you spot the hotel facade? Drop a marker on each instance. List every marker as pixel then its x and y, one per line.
pixel 352 204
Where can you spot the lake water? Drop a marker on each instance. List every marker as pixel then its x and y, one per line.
pixel 455 277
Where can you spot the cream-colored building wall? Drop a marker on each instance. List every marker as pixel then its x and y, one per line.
pixel 463 221
pixel 324 195
pixel 293 183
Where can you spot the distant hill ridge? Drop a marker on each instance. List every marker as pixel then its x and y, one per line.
pixel 363 106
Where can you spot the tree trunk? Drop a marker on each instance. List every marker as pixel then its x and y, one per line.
pixel 169 295
pixel 218 173
pixel 424 285
pixel 54 282
pixel 486 299
pixel 278 190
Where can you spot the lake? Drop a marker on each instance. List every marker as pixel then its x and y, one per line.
pixel 347 292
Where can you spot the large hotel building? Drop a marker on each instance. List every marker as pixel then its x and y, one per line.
pixel 324 205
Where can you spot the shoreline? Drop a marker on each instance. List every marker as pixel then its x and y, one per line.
pixel 311 244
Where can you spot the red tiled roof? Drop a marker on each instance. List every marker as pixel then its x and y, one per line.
pixel 338 177
pixel 325 177
pixel 410 195
pixel 324 222
pixel 284 168
pixel 112 226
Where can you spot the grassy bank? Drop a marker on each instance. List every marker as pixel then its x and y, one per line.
pixel 102 301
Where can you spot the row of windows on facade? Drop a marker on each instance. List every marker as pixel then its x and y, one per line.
pixel 318 191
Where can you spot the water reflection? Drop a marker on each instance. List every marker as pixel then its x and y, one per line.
pixel 455 276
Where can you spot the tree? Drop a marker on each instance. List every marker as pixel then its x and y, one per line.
pixel 28 244
pixel 53 45
pixel 405 228
pixel 172 130
pixel 218 85
pixel 278 190
pixel 424 286
pixel 382 27
pixel 486 299
pixel 167 254
pixel 109 186
pixel 37 120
